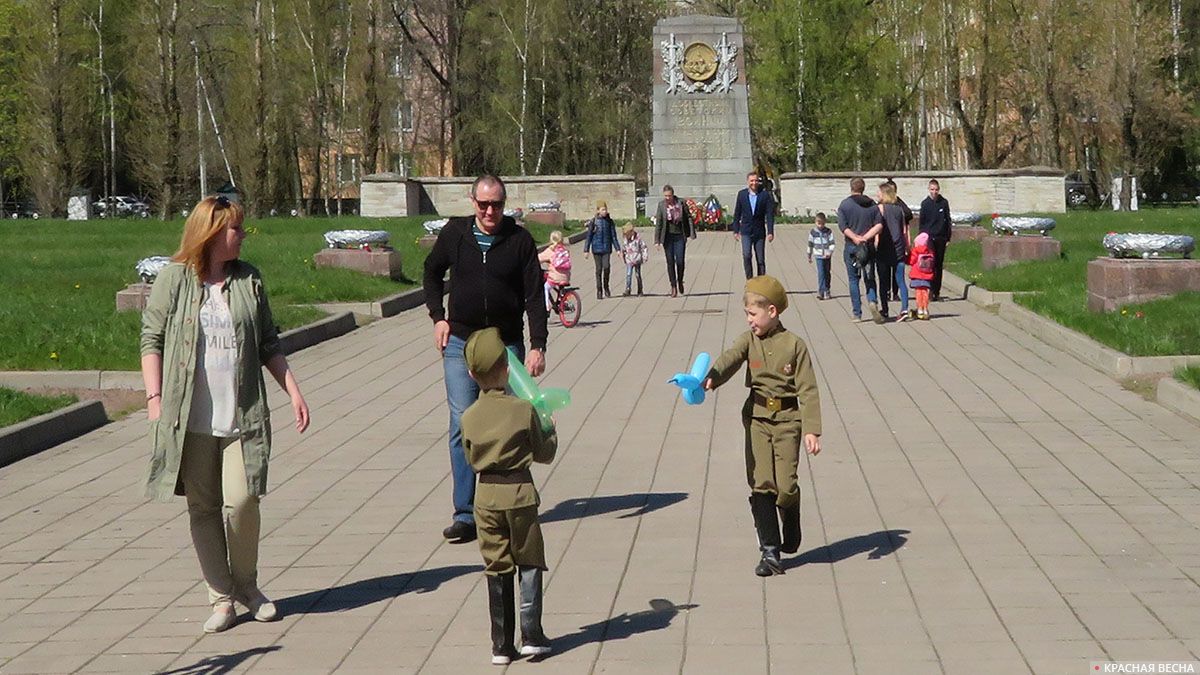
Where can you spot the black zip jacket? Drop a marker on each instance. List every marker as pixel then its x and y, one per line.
pixel 487 291
pixel 935 218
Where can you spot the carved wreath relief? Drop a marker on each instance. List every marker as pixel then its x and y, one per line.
pixel 699 67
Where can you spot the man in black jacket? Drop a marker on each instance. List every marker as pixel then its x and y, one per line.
pixel 935 221
pixel 754 222
pixel 495 280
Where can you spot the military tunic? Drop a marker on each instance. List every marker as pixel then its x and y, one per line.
pixel 502 436
pixel 782 407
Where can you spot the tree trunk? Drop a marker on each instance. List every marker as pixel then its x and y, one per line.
pixel 374 104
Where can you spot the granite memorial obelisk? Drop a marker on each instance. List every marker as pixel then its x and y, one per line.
pixel 700 110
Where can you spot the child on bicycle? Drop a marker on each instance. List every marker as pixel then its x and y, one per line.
pixel 558 259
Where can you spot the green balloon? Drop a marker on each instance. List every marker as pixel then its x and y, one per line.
pixel 544 401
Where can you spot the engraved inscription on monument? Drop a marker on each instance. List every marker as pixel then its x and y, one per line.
pixel 701 141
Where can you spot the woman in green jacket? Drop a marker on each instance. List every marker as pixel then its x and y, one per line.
pixel 207 332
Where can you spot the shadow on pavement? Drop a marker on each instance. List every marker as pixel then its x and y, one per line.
pixel 589 324
pixel 368 591
pixel 644 502
pixel 223 663
pixel 658 617
pixel 876 545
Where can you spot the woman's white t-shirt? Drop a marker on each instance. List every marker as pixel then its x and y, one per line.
pixel 214 395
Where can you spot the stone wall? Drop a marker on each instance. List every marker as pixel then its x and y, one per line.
pixel 1007 191
pixel 385 195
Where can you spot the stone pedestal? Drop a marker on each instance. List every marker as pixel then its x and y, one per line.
pixel 1113 282
pixel 427 241
pixel 376 263
pixel 969 233
pixel 999 251
pixel 700 114
pixel 551 218
pixel 133 297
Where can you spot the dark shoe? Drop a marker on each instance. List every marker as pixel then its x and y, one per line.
pixel 876 316
pixel 626 293
pixel 770 564
pixel 533 640
pixel 502 612
pixel 789 519
pixel 766 523
pixel 640 293
pixel 607 293
pixel 681 291
pixel 459 532
pixel 599 294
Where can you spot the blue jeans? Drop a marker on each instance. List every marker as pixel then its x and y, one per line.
pixel 461 392
pixel 902 286
pixel 630 270
pixel 852 276
pixel 757 245
pixel 675 246
pixel 823 271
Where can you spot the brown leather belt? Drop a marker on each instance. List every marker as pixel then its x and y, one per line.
pixel 777 404
pixel 506 477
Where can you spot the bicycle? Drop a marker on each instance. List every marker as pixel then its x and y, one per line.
pixel 566 303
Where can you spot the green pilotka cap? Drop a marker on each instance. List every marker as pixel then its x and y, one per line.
pixel 484 350
pixel 770 288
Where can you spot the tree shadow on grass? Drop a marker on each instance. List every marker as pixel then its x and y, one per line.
pixel 221 663
pixel 875 545
pixel 658 617
pixel 643 502
pixel 369 591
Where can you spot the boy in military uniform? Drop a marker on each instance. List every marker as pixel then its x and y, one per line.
pixel 783 408
pixel 502 436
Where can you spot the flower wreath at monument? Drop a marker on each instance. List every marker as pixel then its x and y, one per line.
pixel 714 215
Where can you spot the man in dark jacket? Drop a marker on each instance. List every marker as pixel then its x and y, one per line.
pixel 935 221
pixel 860 220
pixel 495 280
pixel 754 223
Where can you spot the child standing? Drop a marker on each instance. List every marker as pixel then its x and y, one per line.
pixel 820 244
pixel 783 407
pixel 502 436
pixel 601 242
pixel 634 252
pixel 557 257
pixel 922 268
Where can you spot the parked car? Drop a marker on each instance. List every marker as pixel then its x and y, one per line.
pixel 1076 190
pixel 122 207
pixel 16 210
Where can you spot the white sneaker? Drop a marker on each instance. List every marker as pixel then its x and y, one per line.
pixel 222 619
pixel 535 650
pixel 501 659
pixel 260 607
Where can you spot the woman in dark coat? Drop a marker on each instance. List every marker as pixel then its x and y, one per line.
pixel 673 226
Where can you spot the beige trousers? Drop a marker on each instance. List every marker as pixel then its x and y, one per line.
pixel 223 514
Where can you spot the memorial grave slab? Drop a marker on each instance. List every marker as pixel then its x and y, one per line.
pixel 1001 250
pixel 1114 282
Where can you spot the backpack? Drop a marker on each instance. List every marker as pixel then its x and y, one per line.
pixel 561 259
pixel 925 262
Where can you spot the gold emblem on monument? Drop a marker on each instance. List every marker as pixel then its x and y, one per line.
pixel 699 62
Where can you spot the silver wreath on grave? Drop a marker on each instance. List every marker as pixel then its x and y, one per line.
pixel 356 238
pixel 965 217
pixel 1022 225
pixel 1139 245
pixel 148 268
pixel 434 226
pixel 545 206
pixel 727 72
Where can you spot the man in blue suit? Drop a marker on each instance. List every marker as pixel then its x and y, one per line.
pixel 754 223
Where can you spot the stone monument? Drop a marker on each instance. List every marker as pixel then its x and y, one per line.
pixel 700 111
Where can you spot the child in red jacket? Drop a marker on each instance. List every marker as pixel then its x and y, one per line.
pixel 920 265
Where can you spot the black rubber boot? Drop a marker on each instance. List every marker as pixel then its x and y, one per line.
pixel 766 522
pixel 502 611
pixel 789 518
pixel 533 639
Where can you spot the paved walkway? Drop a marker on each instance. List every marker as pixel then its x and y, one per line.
pixel 983 504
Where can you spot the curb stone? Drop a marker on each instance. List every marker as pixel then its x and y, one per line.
pixel 36 434
pixel 1179 397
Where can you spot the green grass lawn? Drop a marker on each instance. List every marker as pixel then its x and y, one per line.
pixel 1057 289
pixel 59 279
pixel 1189 375
pixel 16 406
